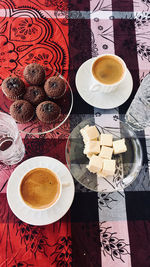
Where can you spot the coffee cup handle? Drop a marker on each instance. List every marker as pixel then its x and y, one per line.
pixel 94 87
pixel 102 88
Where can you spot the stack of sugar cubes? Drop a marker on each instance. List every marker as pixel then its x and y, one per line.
pixel 99 148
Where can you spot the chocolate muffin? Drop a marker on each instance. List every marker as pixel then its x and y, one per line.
pixel 34 74
pixel 55 87
pixel 22 111
pixel 34 94
pixel 13 88
pixel 48 111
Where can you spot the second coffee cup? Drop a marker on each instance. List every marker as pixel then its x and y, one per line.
pixel 108 72
pixel 40 189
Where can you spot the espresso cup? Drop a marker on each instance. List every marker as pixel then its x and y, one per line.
pixel 108 72
pixel 40 189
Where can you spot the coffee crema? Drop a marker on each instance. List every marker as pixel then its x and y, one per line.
pixel 40 188
pixel 108 69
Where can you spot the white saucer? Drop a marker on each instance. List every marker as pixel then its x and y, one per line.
pixel 113 99
pixel 36 217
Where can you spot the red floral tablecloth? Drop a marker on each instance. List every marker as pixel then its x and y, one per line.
pixel 100 229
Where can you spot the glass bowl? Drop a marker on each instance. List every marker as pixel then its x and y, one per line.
pixel 35 126
pixel 128 164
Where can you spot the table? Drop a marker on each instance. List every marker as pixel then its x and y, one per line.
pixel 100 229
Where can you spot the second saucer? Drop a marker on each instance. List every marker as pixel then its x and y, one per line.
pixel 99 99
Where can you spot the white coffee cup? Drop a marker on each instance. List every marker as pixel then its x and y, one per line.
pixel 48 206
pixel 103 87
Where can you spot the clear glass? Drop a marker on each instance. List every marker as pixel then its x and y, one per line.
pixel 138 114
pixel 12 149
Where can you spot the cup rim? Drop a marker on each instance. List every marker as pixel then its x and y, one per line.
pixel 39 209
pixel 122 62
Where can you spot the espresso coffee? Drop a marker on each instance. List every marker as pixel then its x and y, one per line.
pixel 108 69
pixel 40 188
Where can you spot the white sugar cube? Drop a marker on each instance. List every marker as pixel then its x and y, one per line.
pixel 92 147
pixel 89 133
pixel 119 146
pixel 82 131
pixel 95 164
pixel 109 167
pixel 106 152
pixel 106 140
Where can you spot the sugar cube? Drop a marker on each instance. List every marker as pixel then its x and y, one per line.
pixel 89 133
pixel 95 164
pixel 119 146
pixel 106 139
pixel 106 152
pixel 92 147
pixel 109 166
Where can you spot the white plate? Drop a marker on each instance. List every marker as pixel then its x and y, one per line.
pixel 37 217
pixel 113 99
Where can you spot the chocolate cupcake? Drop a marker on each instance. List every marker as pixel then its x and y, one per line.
pixel 48 111
pixel 34 74
pixel 22 111
pixel 34 94
pixel 13 88
pixel 55 87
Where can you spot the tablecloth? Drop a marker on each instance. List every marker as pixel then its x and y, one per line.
pixel 100 229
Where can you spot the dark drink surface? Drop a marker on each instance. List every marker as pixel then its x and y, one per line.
pixel 108 70
pixel 5 143
pixel 40 188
